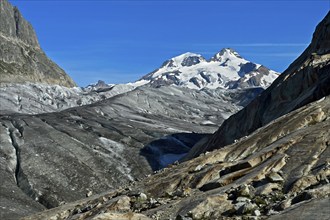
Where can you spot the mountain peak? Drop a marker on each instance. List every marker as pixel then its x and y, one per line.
pixel 224 54
pixel 189 54
pixel 186 59
pixel 227 69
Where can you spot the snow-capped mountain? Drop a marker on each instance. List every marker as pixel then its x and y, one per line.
pixel 226 69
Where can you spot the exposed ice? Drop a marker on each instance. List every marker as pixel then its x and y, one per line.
pixel 116 150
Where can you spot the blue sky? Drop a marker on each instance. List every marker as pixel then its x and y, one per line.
pixel 120 41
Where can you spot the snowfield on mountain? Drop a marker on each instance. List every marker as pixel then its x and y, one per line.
pixel 226 69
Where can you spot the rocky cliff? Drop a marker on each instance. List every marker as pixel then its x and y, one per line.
pixel 306 79
pixel 21 58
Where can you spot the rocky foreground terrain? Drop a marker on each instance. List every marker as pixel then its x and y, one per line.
pixel 280 169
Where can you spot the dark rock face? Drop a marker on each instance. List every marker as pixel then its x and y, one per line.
pixel 168 63
pixel 206 77
pixel 195 81
pixel 218 56
pixel 170 78
pixel 190 61
pixel 307 79
pixel 250 79
pixel 21 58
pixel 246 68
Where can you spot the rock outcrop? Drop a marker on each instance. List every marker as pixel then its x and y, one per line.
pixel 306 79
pixel 21 58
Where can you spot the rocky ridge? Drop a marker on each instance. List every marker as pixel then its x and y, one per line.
pixel 21 58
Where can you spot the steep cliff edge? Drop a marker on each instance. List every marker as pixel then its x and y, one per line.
pixel 21 57
pixel 307 79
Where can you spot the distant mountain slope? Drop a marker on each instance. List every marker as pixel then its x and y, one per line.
pixel 21 58
pixel 226 69
pixel 306 79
